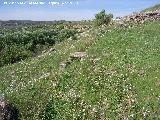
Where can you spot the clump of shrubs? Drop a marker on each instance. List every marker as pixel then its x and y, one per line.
pixel 102 18
pixel 19 45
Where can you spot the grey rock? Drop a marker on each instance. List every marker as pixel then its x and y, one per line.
pixel 72 57
pixel 141 17
pixel 78 55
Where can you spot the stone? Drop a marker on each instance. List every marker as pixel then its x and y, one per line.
pixel 48 51
pixel 142 17
pixel 65 64
pixel 78 55
pixel 51 49
pixel 72 57
pixel 62 66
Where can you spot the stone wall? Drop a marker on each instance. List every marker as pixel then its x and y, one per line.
pixel 142 17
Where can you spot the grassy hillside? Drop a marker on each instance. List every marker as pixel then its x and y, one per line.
pixel 118 79
pixel 156 7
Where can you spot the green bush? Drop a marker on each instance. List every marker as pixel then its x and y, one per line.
pixel 102 18
pixel 13 53
pixel 20 44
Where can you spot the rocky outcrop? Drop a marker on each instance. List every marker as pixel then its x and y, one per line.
pixel 142 17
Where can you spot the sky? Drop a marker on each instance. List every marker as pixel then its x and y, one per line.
pixel 48 10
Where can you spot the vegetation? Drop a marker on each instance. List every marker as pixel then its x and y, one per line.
pixel 102 18
pixel 118 79
pixel 16 45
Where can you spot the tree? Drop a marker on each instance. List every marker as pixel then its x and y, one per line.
pixel 103 18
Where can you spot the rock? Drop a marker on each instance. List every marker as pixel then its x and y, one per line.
pixel 73 56
pixel 51 49
pixel 62 66
pixel 78 55
pixel 8 111
pixel 142 17
pixel 48 51
pixel 65 64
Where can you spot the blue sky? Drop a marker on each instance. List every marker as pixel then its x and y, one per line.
pixel 78 10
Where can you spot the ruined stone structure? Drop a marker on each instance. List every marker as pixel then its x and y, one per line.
pixel 142 17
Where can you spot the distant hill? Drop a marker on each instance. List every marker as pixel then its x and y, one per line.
pixel 155 7
pixel 21 23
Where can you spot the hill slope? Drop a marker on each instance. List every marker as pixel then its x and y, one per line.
pixel 118 79
pixel 155 7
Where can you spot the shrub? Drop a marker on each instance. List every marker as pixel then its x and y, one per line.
pixel 20 44
pixel 102 18
pixel 13 53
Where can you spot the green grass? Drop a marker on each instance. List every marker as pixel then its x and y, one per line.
pixel 155 7
pixel 119 78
